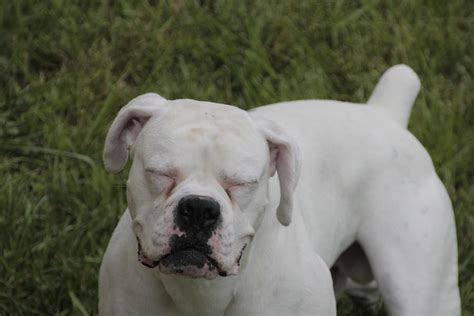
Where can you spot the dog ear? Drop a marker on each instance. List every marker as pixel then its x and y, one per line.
pixel 125 129
pixel 285 158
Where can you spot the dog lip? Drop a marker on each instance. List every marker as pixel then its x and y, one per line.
pixel 209 259
pixel 153 265
pixel 147 262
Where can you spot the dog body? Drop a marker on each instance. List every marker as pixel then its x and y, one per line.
pixel 359 190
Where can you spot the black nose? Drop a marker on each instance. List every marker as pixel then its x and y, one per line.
pixel 196 213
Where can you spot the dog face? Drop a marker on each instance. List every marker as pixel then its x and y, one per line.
pixel 197 188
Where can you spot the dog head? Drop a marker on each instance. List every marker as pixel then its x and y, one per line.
pixel 198 184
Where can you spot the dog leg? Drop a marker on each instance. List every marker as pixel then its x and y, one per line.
pixel 410 240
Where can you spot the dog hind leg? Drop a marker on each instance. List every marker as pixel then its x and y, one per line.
pixel 410 241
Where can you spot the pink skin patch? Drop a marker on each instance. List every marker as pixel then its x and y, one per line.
pixel 215 244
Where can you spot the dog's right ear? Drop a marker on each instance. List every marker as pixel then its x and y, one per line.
pixel 125 129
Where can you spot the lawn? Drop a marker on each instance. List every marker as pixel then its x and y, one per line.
pixel 66 69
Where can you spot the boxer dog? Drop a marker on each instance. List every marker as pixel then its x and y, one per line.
pixel 244 213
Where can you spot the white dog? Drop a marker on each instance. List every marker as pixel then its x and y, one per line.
pixel 359 190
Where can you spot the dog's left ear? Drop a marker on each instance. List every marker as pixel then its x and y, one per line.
pixel 285 158
pixel 125 129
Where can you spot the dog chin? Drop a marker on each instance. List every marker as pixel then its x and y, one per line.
pixel 194 264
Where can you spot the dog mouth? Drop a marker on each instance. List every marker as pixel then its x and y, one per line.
pixel 191 262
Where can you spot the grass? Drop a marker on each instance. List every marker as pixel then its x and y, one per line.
pixel 66 69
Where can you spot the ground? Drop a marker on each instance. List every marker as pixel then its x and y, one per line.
pixel 67 67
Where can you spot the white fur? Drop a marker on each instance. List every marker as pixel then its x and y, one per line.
pixel 364 178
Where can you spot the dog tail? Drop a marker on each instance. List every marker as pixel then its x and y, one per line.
pixel 396 92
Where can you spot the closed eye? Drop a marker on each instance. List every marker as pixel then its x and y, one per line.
pixel 161 182
pixel 234 187
pixel 243 184
pixel 160 173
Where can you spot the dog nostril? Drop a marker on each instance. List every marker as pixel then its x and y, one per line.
pixel 185 212
pixel 211 215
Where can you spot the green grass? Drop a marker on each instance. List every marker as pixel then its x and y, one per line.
pixel 66 69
